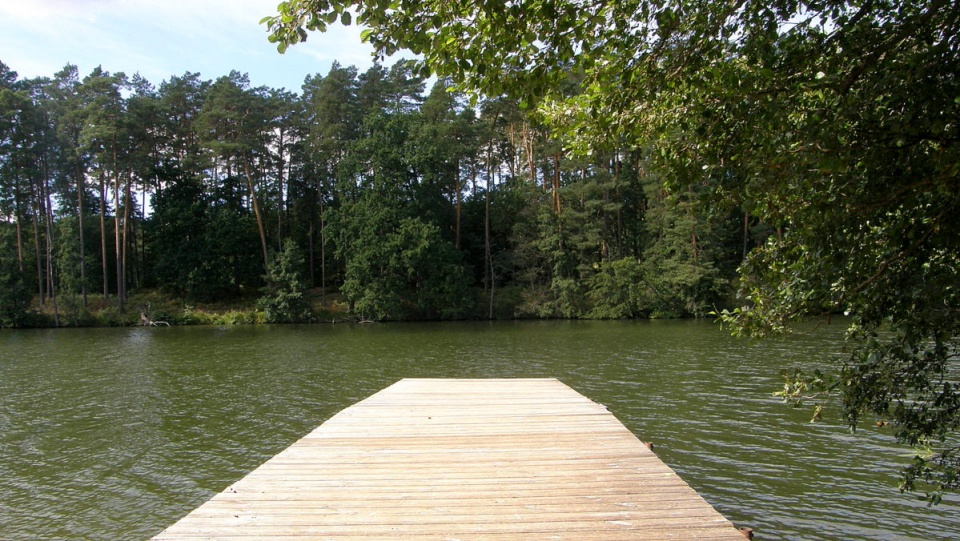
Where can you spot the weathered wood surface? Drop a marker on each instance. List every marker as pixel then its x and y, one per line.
pixel 462 459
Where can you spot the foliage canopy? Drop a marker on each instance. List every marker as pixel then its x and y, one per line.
pixel 833 122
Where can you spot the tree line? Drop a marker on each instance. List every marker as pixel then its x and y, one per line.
pixel 833 121
pixel 410 202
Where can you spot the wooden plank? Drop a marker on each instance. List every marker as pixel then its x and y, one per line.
pixel 462 459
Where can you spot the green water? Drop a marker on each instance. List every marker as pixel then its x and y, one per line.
pixel 117 433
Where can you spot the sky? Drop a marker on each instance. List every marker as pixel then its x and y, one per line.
pixel 163 38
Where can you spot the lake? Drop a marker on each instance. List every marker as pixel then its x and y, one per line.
pixel 117 433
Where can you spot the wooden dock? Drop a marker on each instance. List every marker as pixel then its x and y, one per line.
pixel 462 459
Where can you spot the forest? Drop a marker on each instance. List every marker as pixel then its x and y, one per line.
pixel 399 199
pixel 770 161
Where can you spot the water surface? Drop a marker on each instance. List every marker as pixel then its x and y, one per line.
pixel 117 433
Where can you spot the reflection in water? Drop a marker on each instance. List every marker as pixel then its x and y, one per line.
pixel 117 433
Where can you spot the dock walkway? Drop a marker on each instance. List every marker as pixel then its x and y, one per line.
pixel 462 459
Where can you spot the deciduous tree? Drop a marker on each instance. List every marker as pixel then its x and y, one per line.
pixel 834 122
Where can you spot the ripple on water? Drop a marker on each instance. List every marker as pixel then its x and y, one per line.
pixel 116 433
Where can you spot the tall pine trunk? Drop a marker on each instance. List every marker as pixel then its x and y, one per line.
pixel 281 206
pixel 619 196
pixel 256 211
pixel 19 244
pixel 51 285
pixel 48 218
pixel 323 252
pixel 556 184
pixel 490 281
pixel 124 241
pixel 458 188
pixel 18 209
pixel 103 236
pixel 37 217
pixel 83 256
pixel 117 240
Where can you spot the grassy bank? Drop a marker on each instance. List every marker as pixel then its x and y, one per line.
pixel 156 308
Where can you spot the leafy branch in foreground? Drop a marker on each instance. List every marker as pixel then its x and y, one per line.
pixel 800 388
pixel 833 123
